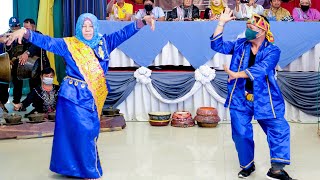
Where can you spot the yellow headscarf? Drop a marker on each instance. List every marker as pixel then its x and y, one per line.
pixel 217 9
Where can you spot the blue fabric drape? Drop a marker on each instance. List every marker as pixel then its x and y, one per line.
pixel 72 9
pixel 300 89
pixel 192 39
pixel 121 85
pixel 172 85
pixel 220 83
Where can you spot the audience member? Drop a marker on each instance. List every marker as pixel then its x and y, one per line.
pixel 119 11
pixel 246 10
pixel 185 12
pixel 151 9
pixel 276 12
pixel 215 9
pixel 305 12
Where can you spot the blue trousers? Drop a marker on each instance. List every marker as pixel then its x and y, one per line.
pixel 276 129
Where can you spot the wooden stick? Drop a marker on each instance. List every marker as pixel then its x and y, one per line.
pixel 41 135
pixel 110 129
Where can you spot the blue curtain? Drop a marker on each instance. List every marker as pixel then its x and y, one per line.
pixel 220 83
pixel 72 9
pixel 172 85
pixel 121 85
pixel 300 89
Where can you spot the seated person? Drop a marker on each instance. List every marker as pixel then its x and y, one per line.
pixel 305 13
pixel 215 9
pixel 187 12
pixel 44 97
pixel 276 12
pixel 119 11
pixel 150 9
pixel 246 10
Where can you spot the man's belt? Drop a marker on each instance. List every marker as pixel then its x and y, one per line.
pixel 249 97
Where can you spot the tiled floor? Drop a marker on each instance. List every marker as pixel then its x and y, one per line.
pixel 142 152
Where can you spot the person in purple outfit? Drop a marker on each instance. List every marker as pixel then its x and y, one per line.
pixel 305 12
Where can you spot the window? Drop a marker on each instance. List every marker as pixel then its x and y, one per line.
pixel 6 10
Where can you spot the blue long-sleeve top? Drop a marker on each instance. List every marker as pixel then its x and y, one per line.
pixel 268 100
pixel 74 92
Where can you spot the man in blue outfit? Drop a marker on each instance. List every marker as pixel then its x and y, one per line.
pixel 253 91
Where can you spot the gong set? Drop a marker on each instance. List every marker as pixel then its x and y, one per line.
pixel 25 71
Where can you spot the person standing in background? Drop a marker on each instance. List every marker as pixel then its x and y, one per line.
pixel 185 12
pixel 119 10
pixel 152 10
pixel 246 10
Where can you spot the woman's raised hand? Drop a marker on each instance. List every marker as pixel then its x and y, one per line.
pixel 150 20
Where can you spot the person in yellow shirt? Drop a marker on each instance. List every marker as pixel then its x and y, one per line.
pixel 276 12
pixel 119 11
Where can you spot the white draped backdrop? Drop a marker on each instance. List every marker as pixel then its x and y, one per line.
pixel 143 100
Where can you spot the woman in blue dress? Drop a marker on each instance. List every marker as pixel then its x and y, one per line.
pixel 82 93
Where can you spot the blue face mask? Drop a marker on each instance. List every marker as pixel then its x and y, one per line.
pixel 47 81
pixel 251 34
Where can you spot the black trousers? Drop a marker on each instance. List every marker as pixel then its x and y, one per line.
pixel 4 94
pixel 18 84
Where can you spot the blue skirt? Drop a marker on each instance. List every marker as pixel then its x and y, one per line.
pixel 74 149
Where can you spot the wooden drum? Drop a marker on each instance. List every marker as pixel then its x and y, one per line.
pixel 159 118
pixel 27 70
pixel 207 117
pixel 5 68
pixel 182 119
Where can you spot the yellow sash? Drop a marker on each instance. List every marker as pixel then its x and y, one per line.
pixel 91 70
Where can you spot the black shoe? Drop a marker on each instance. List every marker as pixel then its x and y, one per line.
pixel 283 175
pixel 244 173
